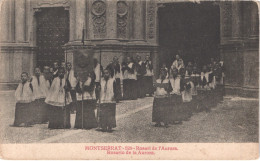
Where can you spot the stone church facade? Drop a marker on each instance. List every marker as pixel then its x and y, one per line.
pixel 119 28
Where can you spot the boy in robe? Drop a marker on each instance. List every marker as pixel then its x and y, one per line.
pixel 212 85
pixel 107 117
pixel 98 69
pixel 189 68
pixel 40 89
pixel 204 78
pixel 185 87
pixel 195 78
pixel 175 97
pixel 59 100
pixel 165 67
pixel 219 81
pixel 86 91
pixel 203 89
pixel 161 105
pixel 63 65
pixel 140 71
pixel 48 77
pixel 129 79
pixel 175 81
pixel 71 79
pixel 115 68
pixel 55 70
pixel 24 98
pixel 148 77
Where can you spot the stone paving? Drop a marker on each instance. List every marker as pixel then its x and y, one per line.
pixel 234 120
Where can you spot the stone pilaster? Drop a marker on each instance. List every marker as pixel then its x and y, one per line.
pixel 20 20
pixel 5 21
pixel 151 21
pixel 80 18
pixel 72 19
pixel 138 20
pixel 225 21
pixel 236 20
pixel 254 30
pixel 111 27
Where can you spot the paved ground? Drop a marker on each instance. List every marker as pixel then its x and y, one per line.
pixel 235 120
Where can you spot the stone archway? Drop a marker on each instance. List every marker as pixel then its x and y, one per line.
pixel 189 29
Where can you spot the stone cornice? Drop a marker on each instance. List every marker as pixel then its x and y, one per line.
pixel 16 47
pixel 110 44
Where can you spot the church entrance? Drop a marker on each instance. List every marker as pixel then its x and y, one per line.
pixel 189 29
pixel 52 33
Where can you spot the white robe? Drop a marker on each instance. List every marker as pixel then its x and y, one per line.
pixel 86 95
pixel 107 95
pixel 175 83
pixel 187 94
pixel 148 71
pixel 23 93
pixel 40 90
pixel 56 94
pixel 178 66
pixel 127 74
pixel 97 71
pixel 72 79
pixel 161 92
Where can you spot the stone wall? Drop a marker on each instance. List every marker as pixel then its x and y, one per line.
pixel 125 28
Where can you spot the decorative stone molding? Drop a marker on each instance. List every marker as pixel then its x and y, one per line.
pixel 98 11
pixel 226 18
pixel 122 17
pixel 52 3
pixel 151 20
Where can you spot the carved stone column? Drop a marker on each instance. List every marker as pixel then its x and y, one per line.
pixel 80 18
pixel 20 20
pixel 138 20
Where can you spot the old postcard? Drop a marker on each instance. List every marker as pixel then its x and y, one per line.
pixel 129 79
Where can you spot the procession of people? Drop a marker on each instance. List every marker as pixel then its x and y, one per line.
pixel 52 95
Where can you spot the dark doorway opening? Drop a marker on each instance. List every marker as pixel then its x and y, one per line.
pixel 191 29
pixel 51 34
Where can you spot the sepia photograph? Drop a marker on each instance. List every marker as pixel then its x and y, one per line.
pixel 129 79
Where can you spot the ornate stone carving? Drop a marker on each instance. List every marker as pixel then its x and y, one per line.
pixel 226 16
pixel 122 15
pixel 98 11
pixel 151 20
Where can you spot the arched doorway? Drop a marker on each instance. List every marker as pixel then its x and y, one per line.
pixel 191 29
